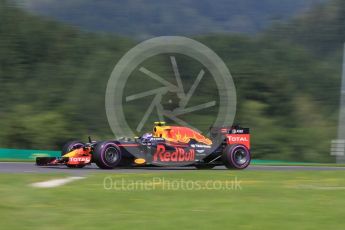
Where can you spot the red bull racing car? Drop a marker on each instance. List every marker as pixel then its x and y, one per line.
pixel 165 146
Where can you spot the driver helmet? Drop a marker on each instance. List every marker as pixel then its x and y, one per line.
pixel 147 136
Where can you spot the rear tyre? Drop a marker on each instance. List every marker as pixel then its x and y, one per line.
pixel 236 157
pixel 70 146
pixel 107 155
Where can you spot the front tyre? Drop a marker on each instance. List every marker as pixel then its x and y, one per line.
pixel 70 146
pixel 236 157
pixel 107 155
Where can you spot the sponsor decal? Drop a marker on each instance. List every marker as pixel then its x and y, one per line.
pixel 243 139
pixel 179 155
pixel 79 159
pixel 224 130
pixel 201 146
pixel 157 139
pixel 239 131
pixel 237 138
pixel 180 134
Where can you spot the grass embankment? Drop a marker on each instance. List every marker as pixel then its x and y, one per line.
pixel 177 200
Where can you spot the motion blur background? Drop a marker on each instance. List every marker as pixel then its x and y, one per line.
pixel 285 57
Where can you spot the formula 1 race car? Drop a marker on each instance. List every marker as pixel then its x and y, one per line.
pixel 165 146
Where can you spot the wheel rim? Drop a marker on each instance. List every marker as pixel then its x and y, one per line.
pixel 240 156
pixel 111 155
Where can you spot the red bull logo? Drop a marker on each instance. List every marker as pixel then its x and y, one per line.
pixel 180 134
pixel 179 155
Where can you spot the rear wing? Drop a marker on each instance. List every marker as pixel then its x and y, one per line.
pixel 236 129
pixel 232 135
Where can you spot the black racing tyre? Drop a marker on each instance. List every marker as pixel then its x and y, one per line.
pixel 68 147
pixel 236 156
pixel 204 166
pixel 71 145
pixel 107 155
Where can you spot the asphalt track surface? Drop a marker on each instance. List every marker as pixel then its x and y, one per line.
pixel 29 167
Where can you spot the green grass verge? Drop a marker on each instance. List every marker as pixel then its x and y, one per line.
pixel 266 200
pixel 300 164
